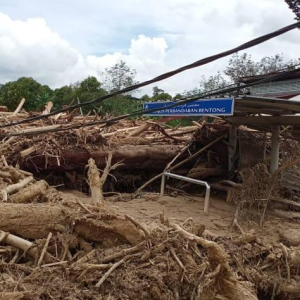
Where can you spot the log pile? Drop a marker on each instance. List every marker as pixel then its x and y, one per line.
pixel 144 147
pixel 140 145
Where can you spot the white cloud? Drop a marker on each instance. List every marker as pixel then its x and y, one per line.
pixel 58 42
pixel 145 55
pixel 31 48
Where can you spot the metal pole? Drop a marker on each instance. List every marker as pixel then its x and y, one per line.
pixel 163 182
pixel 275 149
pixel 206 199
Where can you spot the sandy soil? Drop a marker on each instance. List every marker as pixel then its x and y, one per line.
pixel 278 225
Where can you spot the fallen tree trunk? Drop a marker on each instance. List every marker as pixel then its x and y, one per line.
pixel 32 221
pixel 138 157
pixel 15 187
pixel 30 193
pixel 36 221
pixel 202 173
pixel 96 182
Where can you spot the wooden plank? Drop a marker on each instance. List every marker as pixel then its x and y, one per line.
pixel 265 120
pixel 289 202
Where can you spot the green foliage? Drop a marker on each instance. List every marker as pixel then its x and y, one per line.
pixel 145 98
pixel 240 66
pixel 63 96
pixel 87 90
pixel 160 95
pixel 119 77
pixel 243 66
pixel 178 97
pixel 212 83
pixel 192 93
pixel 156 91
pixel 120 105
pixel 36 95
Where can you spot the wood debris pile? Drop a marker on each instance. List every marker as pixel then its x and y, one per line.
pixel 52 247
pixel 71 149
pixel 144 147
pixel 55 248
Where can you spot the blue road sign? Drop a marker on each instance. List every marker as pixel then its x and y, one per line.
pixel 201 107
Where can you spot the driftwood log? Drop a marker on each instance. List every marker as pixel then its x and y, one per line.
pixel 96 181
pixel 202 173
pixel 31 192
pixel 23 245
pixel 135 157
pixel 36 221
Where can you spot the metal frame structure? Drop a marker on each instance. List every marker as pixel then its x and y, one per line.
pixel 187 179
pixel 263 111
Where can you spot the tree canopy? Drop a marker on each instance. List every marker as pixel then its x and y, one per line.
pixel 120 76
pixel 160 95
pixel 242 65
pixel 25 87
pixel 294 5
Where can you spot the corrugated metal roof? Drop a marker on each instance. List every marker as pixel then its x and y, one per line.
pixel 246 105
pixel 251 110
pixel 250 79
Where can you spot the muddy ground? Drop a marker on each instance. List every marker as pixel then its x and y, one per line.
pixel 279 224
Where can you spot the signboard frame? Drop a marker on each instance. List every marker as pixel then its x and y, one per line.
pixel 199 107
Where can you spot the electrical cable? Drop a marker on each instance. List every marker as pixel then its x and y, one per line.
pixel 214 92
pixel 198 63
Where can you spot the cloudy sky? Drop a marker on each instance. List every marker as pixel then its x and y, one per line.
pixel 59 42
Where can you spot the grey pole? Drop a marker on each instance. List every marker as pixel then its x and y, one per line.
pixel 275 149
pixel 232 147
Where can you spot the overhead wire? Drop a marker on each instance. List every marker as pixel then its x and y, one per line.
pixel 269 77
pixel 198 63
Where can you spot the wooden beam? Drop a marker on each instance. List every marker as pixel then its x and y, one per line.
pixel 265 120
pixel 267 111
pixel 274 104
pixel 232 147
pixel 286 201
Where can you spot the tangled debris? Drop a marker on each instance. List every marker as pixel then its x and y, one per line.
pixel 54 248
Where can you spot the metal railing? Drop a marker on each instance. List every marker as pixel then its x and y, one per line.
pixel 187 179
